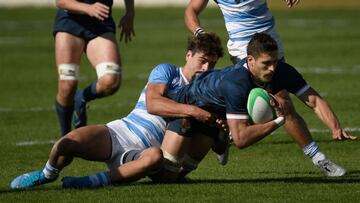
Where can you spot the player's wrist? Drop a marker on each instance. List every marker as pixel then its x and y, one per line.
pixel 279 120
pixel 198 31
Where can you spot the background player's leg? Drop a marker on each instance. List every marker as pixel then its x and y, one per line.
pixel 104 55
pixel 68 50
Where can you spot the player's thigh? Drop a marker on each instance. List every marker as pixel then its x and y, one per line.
pixel 68 48
pixel 103 49
pixel 175 144
pixel 200 146
pixel 90 142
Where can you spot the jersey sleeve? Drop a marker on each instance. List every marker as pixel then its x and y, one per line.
pixel 287 77
pixel 162 74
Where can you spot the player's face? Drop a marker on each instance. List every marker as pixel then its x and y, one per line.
pixel 199 62
pixel 263 67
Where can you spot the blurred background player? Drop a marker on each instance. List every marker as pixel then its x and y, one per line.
pixel 86 26
pixel 130 146
pixel 225 93
pixel 242 20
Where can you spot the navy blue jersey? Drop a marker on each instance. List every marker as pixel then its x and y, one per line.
pixel 226 91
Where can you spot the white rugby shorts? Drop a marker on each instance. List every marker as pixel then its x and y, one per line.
pixel 238 48
pixel 122 140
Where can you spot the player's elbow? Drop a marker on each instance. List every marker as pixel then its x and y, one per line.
pixel 240 141
pixel 151 108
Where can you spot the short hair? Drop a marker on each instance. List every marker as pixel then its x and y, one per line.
pixel 261 43
pixel 209 43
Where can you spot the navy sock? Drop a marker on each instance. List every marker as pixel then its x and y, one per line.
pixel 89 93
pixel 64 115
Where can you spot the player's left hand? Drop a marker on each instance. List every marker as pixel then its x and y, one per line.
pixel 126 25
pixel 279 110
pixel 342 134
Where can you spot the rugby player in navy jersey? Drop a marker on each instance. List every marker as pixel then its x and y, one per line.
pixel 225 92
pixel 130 145
pixel 87 27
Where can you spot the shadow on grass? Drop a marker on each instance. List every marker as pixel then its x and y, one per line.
pixel 351 177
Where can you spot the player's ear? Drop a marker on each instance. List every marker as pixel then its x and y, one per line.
pixel 250 59
pixel 188 55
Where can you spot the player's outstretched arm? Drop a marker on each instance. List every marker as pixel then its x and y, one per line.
pixel 192 12
pixel 157 103
pixel 126 23
pixel 323 110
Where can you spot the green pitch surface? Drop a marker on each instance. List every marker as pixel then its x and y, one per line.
pixel 323 44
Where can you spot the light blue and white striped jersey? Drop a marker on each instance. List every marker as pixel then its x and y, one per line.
pixel 150 128
pixel 244 18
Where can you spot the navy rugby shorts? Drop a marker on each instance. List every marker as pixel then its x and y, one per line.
pixel 188 127
pixel 82 26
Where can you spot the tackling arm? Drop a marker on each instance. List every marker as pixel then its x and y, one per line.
pixel 192 12
pixel 322 109
pixel 157 103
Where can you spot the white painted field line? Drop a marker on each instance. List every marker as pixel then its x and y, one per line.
pixel 35 142
pixel 40 109
pixel 316 130
pixel 46 142
pixel 330 70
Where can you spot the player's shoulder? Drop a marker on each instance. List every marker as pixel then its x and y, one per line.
pixel 163 73
pixel 165 68
pixel 284 68
pixel 237 72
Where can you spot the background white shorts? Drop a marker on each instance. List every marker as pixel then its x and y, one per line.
pixel 238 48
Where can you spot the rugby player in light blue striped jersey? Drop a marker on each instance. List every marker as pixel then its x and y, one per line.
pixel 130 146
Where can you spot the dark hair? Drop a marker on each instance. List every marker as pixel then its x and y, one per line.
pixel 261 43
pixel 209 43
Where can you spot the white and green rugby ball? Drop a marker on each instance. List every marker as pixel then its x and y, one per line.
pixel 259 107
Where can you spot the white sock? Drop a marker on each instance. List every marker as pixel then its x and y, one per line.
pixel 50 172
pixel 318 157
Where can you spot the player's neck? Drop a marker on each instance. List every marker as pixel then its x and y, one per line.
pixel 186 73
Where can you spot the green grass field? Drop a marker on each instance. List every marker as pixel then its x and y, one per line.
pixel 323 44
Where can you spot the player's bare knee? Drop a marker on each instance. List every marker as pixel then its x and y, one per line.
pixel 109 77
pixel 156 156
pixel 69 144
pixel 109 84
pixel 65 146
pixel 152 158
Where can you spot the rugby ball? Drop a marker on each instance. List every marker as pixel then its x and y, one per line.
pixel 259 107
